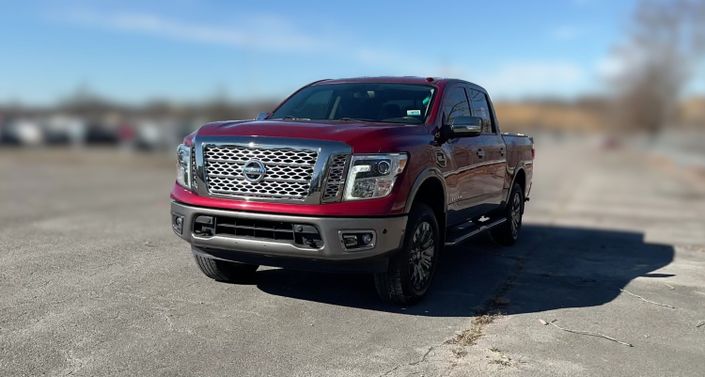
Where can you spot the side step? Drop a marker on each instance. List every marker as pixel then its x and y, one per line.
pixel 473 231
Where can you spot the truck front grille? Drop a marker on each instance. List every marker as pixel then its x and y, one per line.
pixel 336 178
pixel 288 171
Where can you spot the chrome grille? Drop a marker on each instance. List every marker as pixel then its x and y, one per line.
pixel 288 171
pixel 336 178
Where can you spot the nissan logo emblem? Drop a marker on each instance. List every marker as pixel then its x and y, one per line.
pixel 254 171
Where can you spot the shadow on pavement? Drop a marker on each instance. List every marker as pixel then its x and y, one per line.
pixel 549 268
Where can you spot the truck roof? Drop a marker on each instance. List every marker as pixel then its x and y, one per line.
pixel 436 81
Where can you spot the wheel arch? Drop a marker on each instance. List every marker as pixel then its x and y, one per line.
pixel 425 189
pixel 520 178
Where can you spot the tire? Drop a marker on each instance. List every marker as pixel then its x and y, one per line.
pixel 411 270
pixel 230 272
pixel 507 233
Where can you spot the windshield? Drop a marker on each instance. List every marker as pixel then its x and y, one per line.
pixel 374 102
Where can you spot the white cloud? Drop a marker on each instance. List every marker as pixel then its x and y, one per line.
pixel 610 66
pixel 265 33
pixel 276 34
pixel 258 32
pixel 538 78
pixel 399 63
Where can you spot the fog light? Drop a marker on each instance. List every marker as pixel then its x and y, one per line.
pixel 177 222
pixel 356 240
pixel 204 226
pixel 350 241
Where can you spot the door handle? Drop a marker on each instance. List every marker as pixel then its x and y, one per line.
pixel 480 153
pixel 501 151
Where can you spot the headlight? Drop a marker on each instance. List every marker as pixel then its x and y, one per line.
pixel 373 175
pixel 183 166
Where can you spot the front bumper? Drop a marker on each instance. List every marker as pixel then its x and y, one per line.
pixel 389 235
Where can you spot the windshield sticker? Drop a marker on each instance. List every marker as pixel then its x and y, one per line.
pixel 413 113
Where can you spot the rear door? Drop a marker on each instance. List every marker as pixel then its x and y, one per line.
pixel 490 153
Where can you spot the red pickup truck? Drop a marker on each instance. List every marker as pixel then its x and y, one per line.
pixel 364 174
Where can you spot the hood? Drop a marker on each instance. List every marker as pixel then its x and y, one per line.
pixel 362 136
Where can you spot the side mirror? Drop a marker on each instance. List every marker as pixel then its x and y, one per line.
pixel 463 126
pixel 262 116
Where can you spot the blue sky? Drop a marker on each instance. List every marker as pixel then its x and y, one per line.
pixel 188 50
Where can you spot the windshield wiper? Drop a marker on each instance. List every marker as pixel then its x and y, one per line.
pixel 291 117
pixel 348 119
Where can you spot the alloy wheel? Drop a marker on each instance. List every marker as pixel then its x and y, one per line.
pixel 422 249
pixel 515 214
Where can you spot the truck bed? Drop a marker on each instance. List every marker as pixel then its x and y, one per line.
pixel 520 149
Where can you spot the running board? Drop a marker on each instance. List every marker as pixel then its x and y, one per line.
pixel 476 231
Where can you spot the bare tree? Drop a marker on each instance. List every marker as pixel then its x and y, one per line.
pixel 666 41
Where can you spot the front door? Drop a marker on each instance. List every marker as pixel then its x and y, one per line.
pixel 464 195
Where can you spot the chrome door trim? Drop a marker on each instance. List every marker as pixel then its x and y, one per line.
pixel 472 166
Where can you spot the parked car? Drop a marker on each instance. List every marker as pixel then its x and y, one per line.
pixel 22 131
pixel 101 133
pixel 63 129
pixel 153 135
pixel 366 174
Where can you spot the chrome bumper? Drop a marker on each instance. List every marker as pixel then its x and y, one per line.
pixel 389 235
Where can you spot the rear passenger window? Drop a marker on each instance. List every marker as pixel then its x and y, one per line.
pixel 480 108
pixel 455 104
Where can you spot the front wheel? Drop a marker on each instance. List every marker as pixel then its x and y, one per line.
pixel 411 270
pixel 508 232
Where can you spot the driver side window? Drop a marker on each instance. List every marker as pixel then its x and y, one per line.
pixel 316 105
pixel 455 104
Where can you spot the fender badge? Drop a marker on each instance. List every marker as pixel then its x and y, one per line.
pixel 441 159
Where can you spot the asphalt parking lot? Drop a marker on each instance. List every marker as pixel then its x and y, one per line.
pixel 93 282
